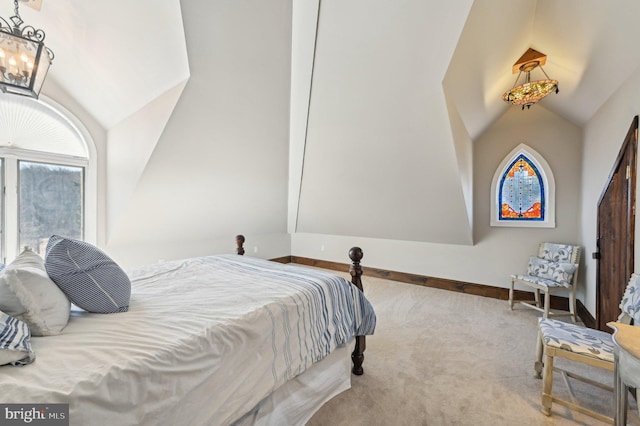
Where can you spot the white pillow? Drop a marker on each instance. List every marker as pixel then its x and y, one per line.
pixel 15 345
pixel 28 294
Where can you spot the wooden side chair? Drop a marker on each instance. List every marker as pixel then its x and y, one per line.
pixel 554 269
pixel 584 345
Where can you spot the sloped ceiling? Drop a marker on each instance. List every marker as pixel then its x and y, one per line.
pixel 376 140
pixel 591 49
pixel 220 166
pixel 387 76
pixel 115 56
pixel 379 159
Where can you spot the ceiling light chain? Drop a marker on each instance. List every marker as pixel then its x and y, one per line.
pixel 17 21
pixel 23 66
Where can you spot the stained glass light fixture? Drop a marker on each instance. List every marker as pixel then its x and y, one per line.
pixel 24 59
pixel 530 92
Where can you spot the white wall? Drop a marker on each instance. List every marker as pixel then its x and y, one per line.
pixel 603 138
pixel 303 35
pixel 99 135
pixel 464 154
pixel 220 166
pixel 497 252
pixel 130 144
pixel 559 142
pixel 378 133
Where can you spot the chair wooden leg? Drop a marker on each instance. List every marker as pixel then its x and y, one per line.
pixel 511 295
pixel 547 385
pixel 547 303
pixel 621 405
pixel 538 363
pixel 572 305
pixel 619 396
pixel 621 413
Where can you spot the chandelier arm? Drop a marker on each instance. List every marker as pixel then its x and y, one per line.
pixel 32 33
pixel 545 74
pixel 515 83
pixel 4 25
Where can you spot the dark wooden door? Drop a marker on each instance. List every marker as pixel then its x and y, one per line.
pixel 616 224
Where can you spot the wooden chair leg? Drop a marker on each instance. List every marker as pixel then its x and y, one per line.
pixel 620 396
pixel 572 304
pixel 547 303
pixel 511 295
pixel 623 404
pixel 547 385
pixel 538 363
pixel 536 294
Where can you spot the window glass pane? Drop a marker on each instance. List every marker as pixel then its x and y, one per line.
pixel 50 198
pixel 521 194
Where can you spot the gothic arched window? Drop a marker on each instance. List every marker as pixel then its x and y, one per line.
pixel 523 191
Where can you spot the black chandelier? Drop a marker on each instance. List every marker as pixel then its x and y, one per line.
pixel 24 59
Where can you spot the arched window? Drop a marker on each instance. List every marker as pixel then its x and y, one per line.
pixel 523 191
pixel 48 170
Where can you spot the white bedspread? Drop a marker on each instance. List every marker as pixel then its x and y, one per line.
pixel 204 341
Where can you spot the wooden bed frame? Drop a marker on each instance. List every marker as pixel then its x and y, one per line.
pixel 355 254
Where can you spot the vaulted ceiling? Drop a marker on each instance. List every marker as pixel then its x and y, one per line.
pixel 115 57
pixel 591 47
pixel 383 67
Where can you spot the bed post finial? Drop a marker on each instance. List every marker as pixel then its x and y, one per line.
pixel 239 243
pixel 356 254
pixel 357 356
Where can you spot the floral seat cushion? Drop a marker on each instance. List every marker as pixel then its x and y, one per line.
pixel 630 303
pixel 544 282
pixel 575 338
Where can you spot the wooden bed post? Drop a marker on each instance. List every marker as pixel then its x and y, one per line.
pixel 357 356
pixel 239 243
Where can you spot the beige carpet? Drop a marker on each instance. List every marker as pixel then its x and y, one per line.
pixel 446 358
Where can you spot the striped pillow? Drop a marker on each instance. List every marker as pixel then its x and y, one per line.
pixel 15 345
pixel 89 278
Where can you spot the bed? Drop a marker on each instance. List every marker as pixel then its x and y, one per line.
pixel 214 340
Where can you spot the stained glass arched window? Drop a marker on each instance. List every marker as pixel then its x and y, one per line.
pixel 523 191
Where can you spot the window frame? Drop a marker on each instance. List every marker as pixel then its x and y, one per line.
pixel 91 195
pixel 83 170
pixel 548 188
pixel 10 214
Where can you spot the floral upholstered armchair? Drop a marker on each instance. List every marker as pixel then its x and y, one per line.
pixel 553 270
pixel 584 345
